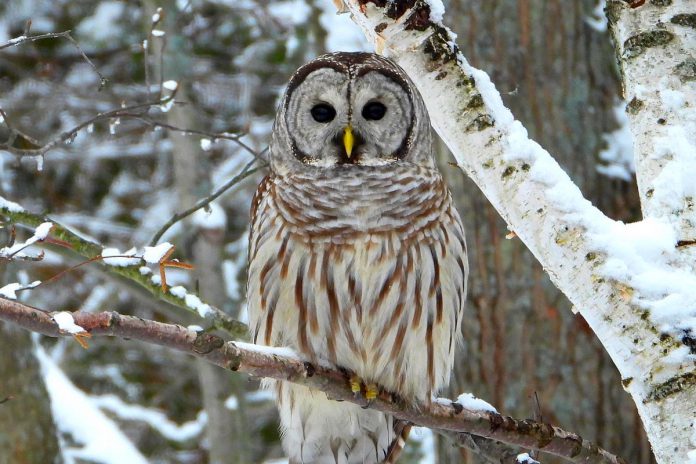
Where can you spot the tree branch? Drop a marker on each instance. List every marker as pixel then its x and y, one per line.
pixel 93 251
pixel 54 35
pixel 282 364
pixel 202 203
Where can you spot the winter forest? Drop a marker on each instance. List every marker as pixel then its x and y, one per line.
pixel 133 135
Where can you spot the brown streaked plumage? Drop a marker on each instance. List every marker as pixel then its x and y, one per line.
pixel 357 255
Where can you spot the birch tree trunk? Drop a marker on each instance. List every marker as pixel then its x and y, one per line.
pixel 656 49
pixel 521 341
pixel 633 283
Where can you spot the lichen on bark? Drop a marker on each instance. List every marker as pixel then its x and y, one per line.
pixel 639 43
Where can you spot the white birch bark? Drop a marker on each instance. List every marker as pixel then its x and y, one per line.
pixel 656 49
pixel 632 284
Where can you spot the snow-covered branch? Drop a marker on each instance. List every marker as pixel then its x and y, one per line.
pixel 630 282
pixel 281 363
pixel 125 264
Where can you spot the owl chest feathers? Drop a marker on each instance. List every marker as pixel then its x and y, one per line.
pixel 362 272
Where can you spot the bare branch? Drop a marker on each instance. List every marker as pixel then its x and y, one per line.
pixel 122 112
pixel 202 203
pixel 138 112
pixel 236 138
pixel 56 35
pixel 278 363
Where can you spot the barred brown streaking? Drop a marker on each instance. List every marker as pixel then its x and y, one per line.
pixel 355 260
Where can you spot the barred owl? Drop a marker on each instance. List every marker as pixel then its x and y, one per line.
pixel 357 255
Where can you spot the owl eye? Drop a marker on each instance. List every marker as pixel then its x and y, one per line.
pixel 374 111
pixel 323 112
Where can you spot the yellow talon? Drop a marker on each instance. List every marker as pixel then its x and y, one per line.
pixel 371 392
pixel 355 384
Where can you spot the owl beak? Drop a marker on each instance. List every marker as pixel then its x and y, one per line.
pixel 348 140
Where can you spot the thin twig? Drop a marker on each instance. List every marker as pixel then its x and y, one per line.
pixel 236 138
pixel 202 203
pixel 55 35
pixel 121 112
pixel 279 364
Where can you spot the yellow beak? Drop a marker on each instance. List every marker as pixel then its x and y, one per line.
pixel 348 140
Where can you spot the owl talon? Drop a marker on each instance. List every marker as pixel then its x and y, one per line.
pixel 371 392
pixel 355 385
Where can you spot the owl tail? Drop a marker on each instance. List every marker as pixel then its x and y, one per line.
pixel 316 430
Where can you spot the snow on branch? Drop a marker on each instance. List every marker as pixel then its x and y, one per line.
pixel 281 363
pixel 132 270
pixel 631 282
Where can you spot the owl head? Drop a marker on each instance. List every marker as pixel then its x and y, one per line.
pixel 347 111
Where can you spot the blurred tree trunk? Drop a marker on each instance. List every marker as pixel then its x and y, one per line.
pixel 521 341
pixel 226 430
pixel 27 432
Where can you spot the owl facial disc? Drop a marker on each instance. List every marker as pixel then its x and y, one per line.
pixel 349 109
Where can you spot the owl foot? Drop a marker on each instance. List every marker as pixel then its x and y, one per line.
pixel 371 389
pixel 355 385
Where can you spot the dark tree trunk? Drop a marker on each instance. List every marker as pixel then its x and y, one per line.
pixel 27 432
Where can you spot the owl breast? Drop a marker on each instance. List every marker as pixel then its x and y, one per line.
pixel 365 270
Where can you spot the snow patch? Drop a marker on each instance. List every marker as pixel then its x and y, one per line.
pixel 74 414
pixel 206 144
pixel 155 254
pixel 170 85
pixel 158 420
pixel 114 257
pixel 10 290
pixel 618 155
pixel 102 26
pixel 42 231
pixel 437 10
pixel 191 300
pixel 39 235
pixel 66 323
pixel 525 458
pixel 470 402
pixel 10 206
pixel 178 291
pixel 269 350
pixel 214 218
pixel 598 20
